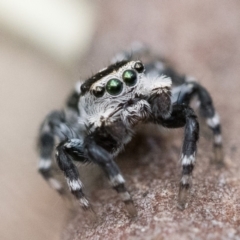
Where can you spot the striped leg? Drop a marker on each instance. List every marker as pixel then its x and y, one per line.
pixel 104 159
pixel 46 144
pixel 213 123
pixel 65 151
pixel 54 129
pixel 45 163
pixel 183 115
pixel 207 111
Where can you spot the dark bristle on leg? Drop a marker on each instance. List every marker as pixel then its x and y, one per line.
pixel 183 115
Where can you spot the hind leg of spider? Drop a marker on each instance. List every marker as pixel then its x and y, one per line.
pixel 49 132
pixel 181 116
pixel 207 111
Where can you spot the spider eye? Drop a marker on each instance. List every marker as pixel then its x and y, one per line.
pixel 114 86
pixel 129 77
pixel 139 67
pixel 98 91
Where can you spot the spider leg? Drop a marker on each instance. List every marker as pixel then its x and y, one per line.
pixel 182 115
pixel 53 129
pixel 66 152
pixel 185 88
pixel 100 156
pixel 185 94
pixel 89 150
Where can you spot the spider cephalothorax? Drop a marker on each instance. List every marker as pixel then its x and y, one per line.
pixel 101 116
pixel 123 94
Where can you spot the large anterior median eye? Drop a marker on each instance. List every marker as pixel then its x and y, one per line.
pixel 129 77
pixel 114 86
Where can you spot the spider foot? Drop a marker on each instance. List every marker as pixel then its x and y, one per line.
pixel 218 155
pixel 131 209
pixel 183 196
pixel 92 216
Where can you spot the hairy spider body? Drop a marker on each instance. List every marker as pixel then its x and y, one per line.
pixel 101 115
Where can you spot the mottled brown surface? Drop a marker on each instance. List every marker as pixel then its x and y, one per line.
pixel 201 38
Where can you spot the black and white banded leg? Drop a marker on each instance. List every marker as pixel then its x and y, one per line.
pixel 213 123
pixel 104 159
pixel 89 151
pixel 66 151
pixel 52 129
pixel 185 94
pixel 182 115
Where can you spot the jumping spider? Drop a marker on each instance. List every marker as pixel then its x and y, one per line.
pixel 101 114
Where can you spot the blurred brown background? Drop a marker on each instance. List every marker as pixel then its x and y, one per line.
pixel 201 38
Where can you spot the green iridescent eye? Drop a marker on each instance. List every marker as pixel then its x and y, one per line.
pixel 129 77
pixel 114 86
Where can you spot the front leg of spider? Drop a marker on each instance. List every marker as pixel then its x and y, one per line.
pixel 183 115
pixel 185 94
pixel 91 151
pixel 101 155
pixel 66 152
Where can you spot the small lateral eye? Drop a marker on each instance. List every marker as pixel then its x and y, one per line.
pixel 98 91
pixel 114 86
pixel 130 77
pixel 139 67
